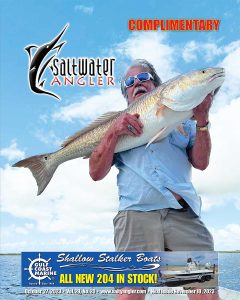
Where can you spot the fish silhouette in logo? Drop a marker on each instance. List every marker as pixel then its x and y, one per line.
pixel 37 65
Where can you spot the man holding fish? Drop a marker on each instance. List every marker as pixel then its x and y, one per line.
pixel 159 208
pixel 153 143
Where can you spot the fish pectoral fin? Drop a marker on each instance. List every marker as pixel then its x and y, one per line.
pixel 157 136
pixel 99 121
pixel 160 109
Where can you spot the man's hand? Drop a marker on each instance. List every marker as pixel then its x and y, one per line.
pixel 122 124
pixel 101 158
pixel 201 112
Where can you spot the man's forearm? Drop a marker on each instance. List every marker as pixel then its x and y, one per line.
pixel 199 154
pixel 101 159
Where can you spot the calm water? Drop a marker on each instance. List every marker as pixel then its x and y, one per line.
pixel 10 271
pixel 229 267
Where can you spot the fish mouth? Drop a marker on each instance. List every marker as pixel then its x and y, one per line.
pixel 217 75
pixel 220 74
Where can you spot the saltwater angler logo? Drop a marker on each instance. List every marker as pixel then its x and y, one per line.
pixel 80 71
pixel 39 271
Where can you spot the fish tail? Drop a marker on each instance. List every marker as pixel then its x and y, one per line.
pixel 41 167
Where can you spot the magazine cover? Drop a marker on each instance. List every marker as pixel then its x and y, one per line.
pixel 120 134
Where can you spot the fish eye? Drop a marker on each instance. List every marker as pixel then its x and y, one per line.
pixel 203 71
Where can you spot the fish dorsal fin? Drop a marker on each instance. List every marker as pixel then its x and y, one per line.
pixel 99 121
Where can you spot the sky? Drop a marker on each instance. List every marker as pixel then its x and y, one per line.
pixel 74 213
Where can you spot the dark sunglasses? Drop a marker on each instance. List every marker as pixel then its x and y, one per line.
pixel 144 76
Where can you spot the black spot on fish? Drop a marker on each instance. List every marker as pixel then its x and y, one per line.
pixel 45 158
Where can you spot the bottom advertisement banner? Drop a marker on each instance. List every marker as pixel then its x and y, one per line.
pixel 188 269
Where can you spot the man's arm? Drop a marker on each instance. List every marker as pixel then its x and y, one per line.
pixel 199 154
pixel 100 161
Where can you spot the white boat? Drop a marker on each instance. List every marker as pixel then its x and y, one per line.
pixel 168 276
pixel 185 272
